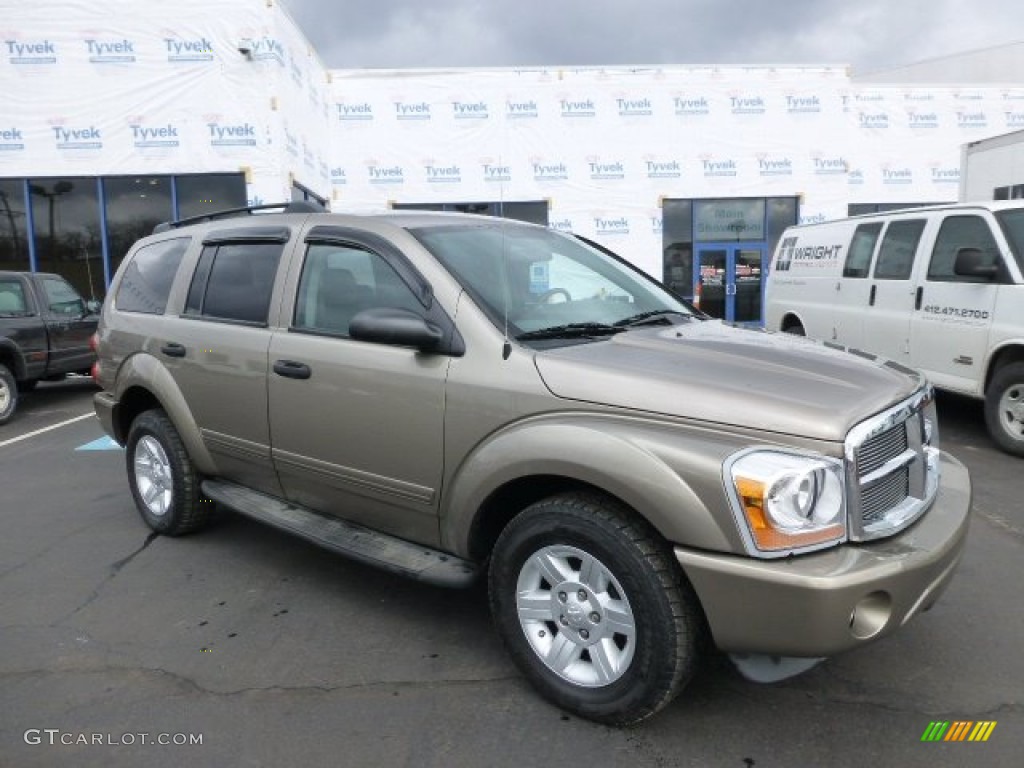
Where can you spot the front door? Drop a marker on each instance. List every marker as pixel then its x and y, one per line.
pixel 729 281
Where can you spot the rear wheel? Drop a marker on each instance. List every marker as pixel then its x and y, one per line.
pixel 795 328
pixel 8 394
pixel 1004 408
pixel 593 609
pixel 163 480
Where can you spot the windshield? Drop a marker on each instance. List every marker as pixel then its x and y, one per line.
pixel 554 286
pixel 1012 222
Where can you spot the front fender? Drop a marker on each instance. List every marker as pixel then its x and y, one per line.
pixel 145 371
pixel 670 474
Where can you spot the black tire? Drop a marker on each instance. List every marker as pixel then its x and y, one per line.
pixel 795 329
pixel 164 483
pixel 28 385
pixel 1004 408
pixel 606 676
pixel 8 394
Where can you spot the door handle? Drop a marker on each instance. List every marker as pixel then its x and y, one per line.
pixel 871 296
pixel 918 297
pixel 173 349
pixel 292 370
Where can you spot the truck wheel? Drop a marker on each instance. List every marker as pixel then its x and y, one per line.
pixel 1004 408
pixel 593 608
pixel 163 481
pixel 8 394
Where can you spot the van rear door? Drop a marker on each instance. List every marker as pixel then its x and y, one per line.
pixel 892 287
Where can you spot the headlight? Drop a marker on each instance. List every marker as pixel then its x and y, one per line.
pixel 786 501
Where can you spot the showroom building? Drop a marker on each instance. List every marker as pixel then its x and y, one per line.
pixel 121 115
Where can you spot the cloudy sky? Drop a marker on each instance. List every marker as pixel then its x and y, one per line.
pixel 870 35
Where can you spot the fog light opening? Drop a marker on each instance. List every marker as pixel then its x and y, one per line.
pixel 870 615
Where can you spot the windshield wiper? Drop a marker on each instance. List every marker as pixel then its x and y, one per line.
pixel 654 315
pixel 570 331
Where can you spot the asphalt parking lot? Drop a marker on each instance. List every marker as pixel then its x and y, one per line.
pixel 275 653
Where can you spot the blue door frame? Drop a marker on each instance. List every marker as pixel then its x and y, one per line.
pixel 724 293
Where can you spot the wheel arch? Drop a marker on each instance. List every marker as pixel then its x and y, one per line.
pixel 791 320
pixel 531 461
pixel 11 357
pixel 144 383
pixel 1005 355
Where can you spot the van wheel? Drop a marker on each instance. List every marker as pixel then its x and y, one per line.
pixel 1004 408
pixel 164 483
pixel 593 608
pixel 8 394
pixel 795 329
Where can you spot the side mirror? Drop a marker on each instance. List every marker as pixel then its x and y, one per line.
pixel 92 307
pixel 398 327
pixel 972 262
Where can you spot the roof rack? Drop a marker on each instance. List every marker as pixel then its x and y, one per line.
pixel 295 206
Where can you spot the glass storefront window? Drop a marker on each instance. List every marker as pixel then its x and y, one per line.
pixel 209 193
pixel 677 246
pixel 66 228
pixel 13 226
pixel 134 205
pixel 782 212
pixel 722 221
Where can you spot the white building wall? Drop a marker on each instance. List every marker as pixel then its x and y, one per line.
pixel 144 86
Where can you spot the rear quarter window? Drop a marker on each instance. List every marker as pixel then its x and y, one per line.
pixel 147 280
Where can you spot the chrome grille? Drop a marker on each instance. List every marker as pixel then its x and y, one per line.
pixel 892 468
pixel 883 494
pixel 880 448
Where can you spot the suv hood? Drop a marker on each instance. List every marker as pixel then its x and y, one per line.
pixel 713 372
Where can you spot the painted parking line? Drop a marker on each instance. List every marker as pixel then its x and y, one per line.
pixel 26 436
pixel 105 443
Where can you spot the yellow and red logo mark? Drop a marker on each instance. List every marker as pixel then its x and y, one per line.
pixel 958 730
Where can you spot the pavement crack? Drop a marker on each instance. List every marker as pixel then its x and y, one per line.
pixel 115 569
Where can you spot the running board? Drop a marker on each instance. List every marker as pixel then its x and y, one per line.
pixel 355 541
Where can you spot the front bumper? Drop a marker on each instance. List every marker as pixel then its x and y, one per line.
pixel 823 603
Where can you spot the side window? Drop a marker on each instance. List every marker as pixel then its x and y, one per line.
pixel 858 258
pixel 147 281
pixel 955 233
pixel 896 254
pixel 339 281
pixel 12 298
pixel 234 282
pixel 61 298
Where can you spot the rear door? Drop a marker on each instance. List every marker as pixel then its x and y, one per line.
pixel 891 291
pixel 68 324
pixel 216 349
pixel 852 290
pixel 949 332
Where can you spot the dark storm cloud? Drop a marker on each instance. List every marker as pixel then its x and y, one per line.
pixel 868 34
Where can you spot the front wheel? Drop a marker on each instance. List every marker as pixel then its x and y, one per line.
pixel 8 394
pixel 593 609
pixel 163 481
pixel 1004 408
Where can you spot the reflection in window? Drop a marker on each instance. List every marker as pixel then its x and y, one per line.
pixel 134 205
pixel 13 226
pixel 896 254
pixel 532 211
pixel 677 246
pixel 209 193
pixel 66 221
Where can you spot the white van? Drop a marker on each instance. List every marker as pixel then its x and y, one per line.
pixel 940 289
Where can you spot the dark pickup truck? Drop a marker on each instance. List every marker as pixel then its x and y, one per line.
pixel 45 328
